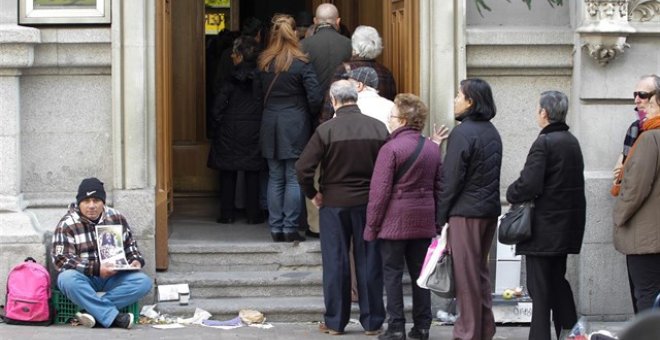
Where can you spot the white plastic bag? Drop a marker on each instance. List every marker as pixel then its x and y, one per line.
pixel 433 254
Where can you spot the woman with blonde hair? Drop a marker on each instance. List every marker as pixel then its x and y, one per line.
pixel 291 95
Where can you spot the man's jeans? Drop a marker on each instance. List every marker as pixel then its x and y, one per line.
pixel 284 198
pixel 121 290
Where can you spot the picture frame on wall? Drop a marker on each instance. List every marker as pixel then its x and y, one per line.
pixel 49 12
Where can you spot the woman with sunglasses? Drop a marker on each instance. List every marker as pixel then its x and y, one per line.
pixel 291 95
pixel 636 217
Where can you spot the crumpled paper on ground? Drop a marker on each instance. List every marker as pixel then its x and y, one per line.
pixel 197 319
pixel 250 316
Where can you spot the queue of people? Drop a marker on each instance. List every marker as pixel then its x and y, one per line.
pixel 383 191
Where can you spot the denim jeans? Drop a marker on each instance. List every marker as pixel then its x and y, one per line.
pixel 284 198
pixel 121 290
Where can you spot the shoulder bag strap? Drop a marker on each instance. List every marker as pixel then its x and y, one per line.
pixel 408 163
pixel 270 87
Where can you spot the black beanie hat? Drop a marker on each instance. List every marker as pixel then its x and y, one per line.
pixel 90 187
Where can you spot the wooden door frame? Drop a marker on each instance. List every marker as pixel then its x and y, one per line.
pixel 408 10
pixel 164 201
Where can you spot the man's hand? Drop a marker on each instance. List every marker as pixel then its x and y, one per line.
pixel 136 264
pixel 440 134
pixel 618 168
pixel 318 200
pixel 107 270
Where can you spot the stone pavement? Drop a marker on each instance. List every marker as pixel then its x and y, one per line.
pixel 279 331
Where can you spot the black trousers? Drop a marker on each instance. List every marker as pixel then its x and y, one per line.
pixel 549 291
pixel 338 226
pixel 228 191
pixel 394 253
pixel 644 271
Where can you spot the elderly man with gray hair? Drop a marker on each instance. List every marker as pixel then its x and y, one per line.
pixel 345 148
pixel 367 45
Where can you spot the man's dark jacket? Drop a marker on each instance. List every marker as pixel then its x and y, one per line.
pixel 553 177
pixel 346 148
pixel 471 172
pixel 327 49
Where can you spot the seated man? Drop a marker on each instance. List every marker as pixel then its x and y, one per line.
pixel 75 255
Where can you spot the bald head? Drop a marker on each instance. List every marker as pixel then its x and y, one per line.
pixel 327 14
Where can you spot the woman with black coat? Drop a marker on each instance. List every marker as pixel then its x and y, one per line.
pixel 470 203
pixel 237 114
pixel 553 178
pixel 291 98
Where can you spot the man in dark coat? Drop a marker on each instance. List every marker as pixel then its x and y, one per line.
pixel 345 148
pixel 327 48
pixel 553 178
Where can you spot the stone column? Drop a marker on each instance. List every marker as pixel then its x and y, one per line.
pixel 442 57
pixel 133 119
pixel 18 237
pixel 442 66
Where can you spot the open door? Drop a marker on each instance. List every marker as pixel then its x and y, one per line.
pixel 164 201
pixel 401 41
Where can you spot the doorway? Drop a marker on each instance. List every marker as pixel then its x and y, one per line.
pixel 184 90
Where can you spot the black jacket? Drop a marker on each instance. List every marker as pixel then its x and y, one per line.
pixel 287 120
pixel 327 49
pixel 236 116
pixel 471 172
pixel 553 177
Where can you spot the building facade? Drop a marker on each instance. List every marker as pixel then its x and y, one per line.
pixel 86 100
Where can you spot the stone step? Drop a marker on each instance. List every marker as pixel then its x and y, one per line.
pixel 275 309
pixel 186 256
pixel 247 283
pixel 252 283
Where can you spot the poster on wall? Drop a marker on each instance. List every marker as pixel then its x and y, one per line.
pixel 64 12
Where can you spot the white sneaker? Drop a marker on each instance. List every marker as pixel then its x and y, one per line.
pixel 85 319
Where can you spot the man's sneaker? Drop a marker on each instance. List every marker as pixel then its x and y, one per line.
pixel 123 320
pixel 85 319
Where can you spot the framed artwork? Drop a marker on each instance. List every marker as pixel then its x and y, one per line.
pixel 64 12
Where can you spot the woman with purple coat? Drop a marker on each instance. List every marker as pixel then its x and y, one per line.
pixel 401 212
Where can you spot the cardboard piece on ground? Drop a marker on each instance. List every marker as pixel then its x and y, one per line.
pixel 171 292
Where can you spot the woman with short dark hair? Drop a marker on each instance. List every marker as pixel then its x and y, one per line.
pixel 470 203
pixel 401 212
pixel 553 178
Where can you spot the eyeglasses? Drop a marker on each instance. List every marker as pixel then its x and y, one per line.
pixel 643 94
pixel 398 117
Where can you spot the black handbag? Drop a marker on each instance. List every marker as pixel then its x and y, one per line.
pixel 516 224
pixel 441 281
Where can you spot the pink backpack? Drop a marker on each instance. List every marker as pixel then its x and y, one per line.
pixel 28 295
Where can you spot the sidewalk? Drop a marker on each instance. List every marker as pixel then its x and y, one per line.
pixel 280 331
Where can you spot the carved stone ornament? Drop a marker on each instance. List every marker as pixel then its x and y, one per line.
pixel 605 29
pixel 643 10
